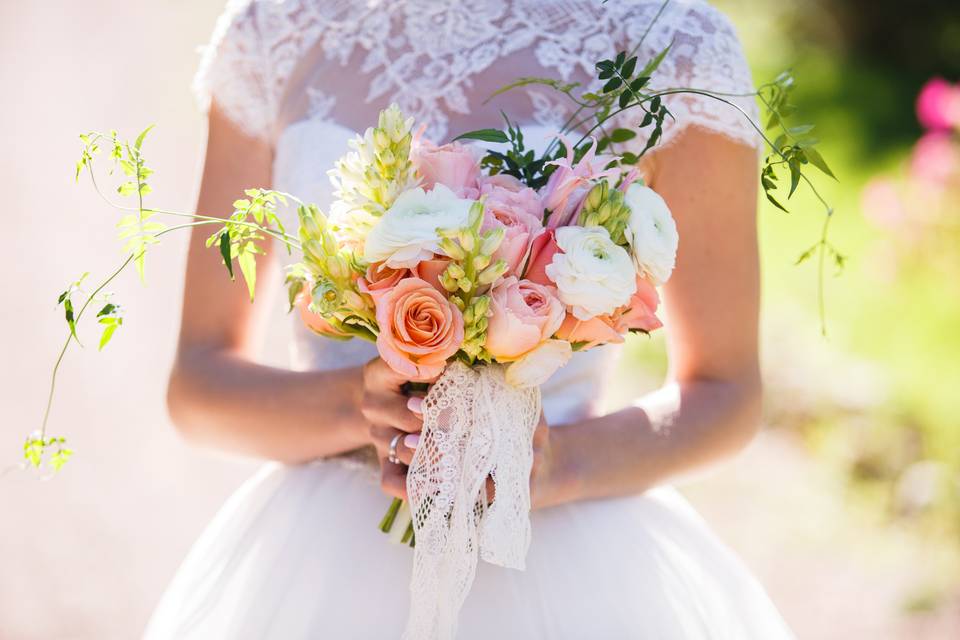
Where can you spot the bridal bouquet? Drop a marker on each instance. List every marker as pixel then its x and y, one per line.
pixel 439 255
pixel 465 272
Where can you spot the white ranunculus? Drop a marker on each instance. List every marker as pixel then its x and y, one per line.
pixel 651 232
pixel 594 276
pixel 536 367
pixel 407 232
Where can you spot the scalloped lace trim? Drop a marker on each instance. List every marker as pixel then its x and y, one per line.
pixel 424 54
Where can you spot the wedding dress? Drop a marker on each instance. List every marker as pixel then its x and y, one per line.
pixel 295 553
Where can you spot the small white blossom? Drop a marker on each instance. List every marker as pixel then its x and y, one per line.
pixel 652 233
pixel 594 276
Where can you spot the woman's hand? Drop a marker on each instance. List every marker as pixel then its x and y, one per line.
pixel 391 413
pixel 542 475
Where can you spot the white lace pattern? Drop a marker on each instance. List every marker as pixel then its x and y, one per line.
pixel 475 426
pixel 429 55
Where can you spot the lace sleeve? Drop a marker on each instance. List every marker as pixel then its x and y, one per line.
pixel 705 54
pixel 234 71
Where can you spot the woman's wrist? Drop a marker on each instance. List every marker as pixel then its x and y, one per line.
pixel 556 482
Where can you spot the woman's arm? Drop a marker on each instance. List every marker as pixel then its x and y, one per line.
pixel 217 395
pixel 709 408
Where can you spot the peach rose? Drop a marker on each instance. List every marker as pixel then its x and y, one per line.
pixel 523 314
pixel 430 271
pixel 379 279
pixel 419 329
pixel 638 315
pixel 453 165
pixel 542 250
pixel 314 321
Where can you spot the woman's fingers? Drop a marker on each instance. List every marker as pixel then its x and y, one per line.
pixel 393 479
pixel 406 444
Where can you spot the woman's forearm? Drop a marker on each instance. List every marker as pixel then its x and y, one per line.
pixel 678 429
pixel 224 401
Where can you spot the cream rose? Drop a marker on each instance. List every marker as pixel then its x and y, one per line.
pixel 651 232
pixel 407 232
pixel 536 367
pixel 594 276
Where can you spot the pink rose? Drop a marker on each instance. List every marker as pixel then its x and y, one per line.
pixel 453 165
pixel 431 270
pixel 379 279
pixel 419 329
pixel 638 315
pixel 542 250
pixel 523 314
pixel 519 213
pixel 501 180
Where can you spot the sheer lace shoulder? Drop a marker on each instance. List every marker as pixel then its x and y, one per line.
pixel 274 62
pixel 705 54
pixel 235 72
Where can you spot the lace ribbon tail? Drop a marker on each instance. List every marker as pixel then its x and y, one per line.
pixel 475 426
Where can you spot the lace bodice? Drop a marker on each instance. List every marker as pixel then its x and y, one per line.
pixel 275 62
pixel 306 75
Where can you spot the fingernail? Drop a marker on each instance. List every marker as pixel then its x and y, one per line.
pixel 415 404
pixel 410 441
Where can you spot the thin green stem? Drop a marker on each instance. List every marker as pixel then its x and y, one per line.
pixel 93 296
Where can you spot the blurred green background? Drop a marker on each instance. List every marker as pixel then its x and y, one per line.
pixel 875 404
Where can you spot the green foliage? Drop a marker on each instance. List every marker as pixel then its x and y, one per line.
pixel 111 319
pixel 238 238
pixel 37 447
pixel 517 161
pixel 66 299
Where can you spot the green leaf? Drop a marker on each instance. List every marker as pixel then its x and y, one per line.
pixel 655 62
pixel 800 129
pixel 485 135
pixel 622 135
pixel 110 325
pixel 60 458
pixel 817 160
pixel 248 266
pixel 775 203
pixel 628 68
pixel 225 251
pixel 612 85
pixel 143 134
pixel 806 255
pixel 795 173
pixel 127 189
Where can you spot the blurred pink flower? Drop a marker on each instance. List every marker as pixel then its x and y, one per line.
pixel 938 105
pixel 881 203
pixel 936 157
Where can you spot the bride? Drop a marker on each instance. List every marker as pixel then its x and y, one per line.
pixel 616 553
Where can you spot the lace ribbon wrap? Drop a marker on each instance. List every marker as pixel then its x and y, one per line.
pixel 475 426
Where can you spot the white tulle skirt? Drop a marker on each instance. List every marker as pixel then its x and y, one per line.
pixel 296 553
